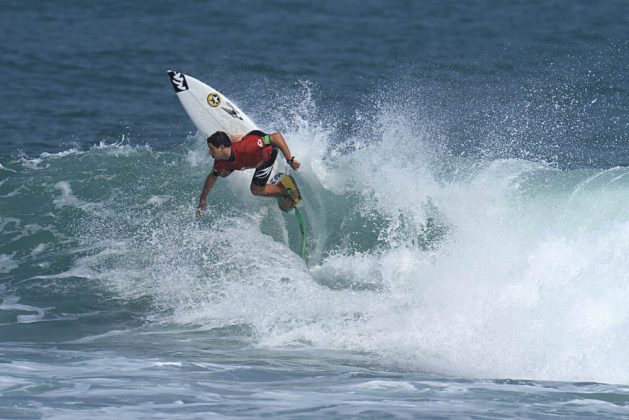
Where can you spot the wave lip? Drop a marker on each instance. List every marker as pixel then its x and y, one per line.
pixel 491 268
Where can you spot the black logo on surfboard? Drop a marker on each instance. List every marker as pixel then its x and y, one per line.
pixel 229 108
pixel 178 80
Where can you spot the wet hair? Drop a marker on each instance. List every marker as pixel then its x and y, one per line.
pixel 220 138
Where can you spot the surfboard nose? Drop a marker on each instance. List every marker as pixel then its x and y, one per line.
pixel 178 81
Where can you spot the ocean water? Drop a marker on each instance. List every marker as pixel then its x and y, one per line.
pixel 465 168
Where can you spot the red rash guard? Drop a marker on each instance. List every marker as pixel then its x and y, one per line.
pixel 250 152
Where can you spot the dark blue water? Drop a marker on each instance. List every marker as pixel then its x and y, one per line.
pixel 465 180
pixel 546 78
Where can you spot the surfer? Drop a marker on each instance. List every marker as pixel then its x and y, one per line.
pixel 232 152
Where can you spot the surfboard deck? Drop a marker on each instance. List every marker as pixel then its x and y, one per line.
pixel 209 110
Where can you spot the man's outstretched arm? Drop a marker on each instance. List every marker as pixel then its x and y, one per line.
pixel 207 187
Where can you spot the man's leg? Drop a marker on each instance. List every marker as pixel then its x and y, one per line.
pixel 260 178
pixel 268 190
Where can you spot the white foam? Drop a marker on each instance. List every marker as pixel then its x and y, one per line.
pixel 523 285
pixel 526 278
pixel 39 248
pixel 7 263
pixel 120 148
pixel 388 386
pixel 69 152
pixel 93 338
pixel 168 364
pixel 4 168
pixel 10 304
pixel 68 199
pixel 46 158
pixel 158 200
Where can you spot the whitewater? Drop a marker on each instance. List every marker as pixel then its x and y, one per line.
pixel 432 280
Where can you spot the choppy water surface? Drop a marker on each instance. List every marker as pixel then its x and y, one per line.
pixel 464 168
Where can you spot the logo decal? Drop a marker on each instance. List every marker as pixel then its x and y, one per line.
pixel 260 143
pixel 179 81
pixel 229 108
pixel 214 99
pixel 276 178
pixel 264 172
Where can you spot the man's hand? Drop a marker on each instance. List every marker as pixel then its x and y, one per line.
pixel 207 187
pixel 295 164
pixel 201 208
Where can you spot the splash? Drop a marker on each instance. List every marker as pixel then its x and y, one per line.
pixel 432 260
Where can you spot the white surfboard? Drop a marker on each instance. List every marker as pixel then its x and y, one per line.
pixel 209 109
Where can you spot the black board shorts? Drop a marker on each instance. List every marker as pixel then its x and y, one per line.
pixel 263 173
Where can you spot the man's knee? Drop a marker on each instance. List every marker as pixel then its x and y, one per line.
pixel 256 189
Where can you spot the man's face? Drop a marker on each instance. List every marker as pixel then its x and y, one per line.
pixel 214 151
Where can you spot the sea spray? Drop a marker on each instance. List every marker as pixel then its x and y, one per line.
pixel 493 268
